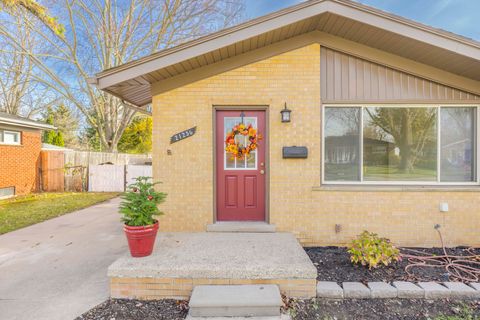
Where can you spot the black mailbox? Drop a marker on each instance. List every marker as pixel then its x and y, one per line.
pixel 295 152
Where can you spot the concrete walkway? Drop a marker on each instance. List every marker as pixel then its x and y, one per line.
pixel 57 269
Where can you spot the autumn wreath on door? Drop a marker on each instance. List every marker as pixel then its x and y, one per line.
pixel 239 150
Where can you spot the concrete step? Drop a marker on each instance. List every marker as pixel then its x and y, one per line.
pixel 235 301
pixel 241 226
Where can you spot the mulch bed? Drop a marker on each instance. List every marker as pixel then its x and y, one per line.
pixel 122 309
pixel 385 309
pixel 371 309
pixel 333 264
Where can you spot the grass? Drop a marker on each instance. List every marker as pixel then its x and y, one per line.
pixel 350 172
pixel 464 312
pixel 23 211
pixel 385 173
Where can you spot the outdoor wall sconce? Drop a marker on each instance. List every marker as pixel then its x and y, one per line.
pixel 286 114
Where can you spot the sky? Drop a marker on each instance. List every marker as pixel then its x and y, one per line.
pixel 458 16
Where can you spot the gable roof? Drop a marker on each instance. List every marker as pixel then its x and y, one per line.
pixel 342 18
pixel 14 120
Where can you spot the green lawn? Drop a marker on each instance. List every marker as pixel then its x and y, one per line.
pixel 349 172
pixel 385 173
pixel 23 211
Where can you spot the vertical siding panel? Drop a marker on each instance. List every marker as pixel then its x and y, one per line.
pixel 441 92
pixel 456 94
pixel 434 91
pixel 367 84
pixel 418 84
pixel 337 75
pixel 330 75
pixel 428 89
pixel 348 78
pixel 382 82
pixel 352 75
pixel 397 85
pixel 389 84
pixel 412 90
pixel 345 84
pixel 323 74
pixel 448 92
pixel 374 81
pixel 404 86
pixel 360 87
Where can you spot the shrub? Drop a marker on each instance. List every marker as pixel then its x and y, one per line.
pixel 140 203
pixel 370 250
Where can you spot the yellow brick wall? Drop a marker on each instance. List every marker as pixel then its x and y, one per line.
pixel 294 77
pixel 181 288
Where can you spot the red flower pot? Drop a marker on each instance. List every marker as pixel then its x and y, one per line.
pixel 141 239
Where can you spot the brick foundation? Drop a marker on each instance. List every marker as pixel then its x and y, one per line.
pixel 181 288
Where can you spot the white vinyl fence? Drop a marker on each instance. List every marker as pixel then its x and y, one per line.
pixel 134 171
pixel 77 164
pixel 114 178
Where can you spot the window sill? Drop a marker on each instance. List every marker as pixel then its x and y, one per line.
pixel 379 188
pixel 11 144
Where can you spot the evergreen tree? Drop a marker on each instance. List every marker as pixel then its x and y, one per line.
pixel 58 140
pixel 49 135
pixel 67 126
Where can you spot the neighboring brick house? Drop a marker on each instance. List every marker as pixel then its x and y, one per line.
pixel 20 146
pixel 399 101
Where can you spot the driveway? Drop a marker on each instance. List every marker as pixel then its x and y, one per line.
pixel 57 269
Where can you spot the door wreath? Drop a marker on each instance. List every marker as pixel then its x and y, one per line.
pixel 237 149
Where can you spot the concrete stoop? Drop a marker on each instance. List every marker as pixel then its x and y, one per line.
pixel 183 261
pixel 235 301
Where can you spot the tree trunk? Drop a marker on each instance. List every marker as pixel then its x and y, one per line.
pixel 406 143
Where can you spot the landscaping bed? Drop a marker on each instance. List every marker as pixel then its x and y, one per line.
pixel 26 210
pixel 385 309
pixel 371 309
pixel 333 264
pixel 123 309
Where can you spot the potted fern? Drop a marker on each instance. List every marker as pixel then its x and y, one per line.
pixel 139 207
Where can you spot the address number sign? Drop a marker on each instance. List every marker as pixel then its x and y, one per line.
pixel 183 135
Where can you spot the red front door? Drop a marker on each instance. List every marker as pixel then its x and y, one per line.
pixel 240 182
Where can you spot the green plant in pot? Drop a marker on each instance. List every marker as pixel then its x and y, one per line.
pixel 139 207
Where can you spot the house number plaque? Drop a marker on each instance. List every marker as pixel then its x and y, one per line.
pixel 183 135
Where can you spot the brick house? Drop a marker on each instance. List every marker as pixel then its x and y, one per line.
pixel 400 98
pixel 20 146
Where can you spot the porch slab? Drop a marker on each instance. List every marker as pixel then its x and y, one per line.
pixel 181 261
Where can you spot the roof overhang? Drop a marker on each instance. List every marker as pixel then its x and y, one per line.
pixel 457 56
pixel 26 123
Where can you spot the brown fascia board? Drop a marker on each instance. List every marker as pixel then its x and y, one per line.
pixel 349 9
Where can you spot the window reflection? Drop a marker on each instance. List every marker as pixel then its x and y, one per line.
pixel 458 144
pixel 342 144
pixel 399 144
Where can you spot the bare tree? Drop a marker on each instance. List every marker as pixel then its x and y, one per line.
pixel 16 72
pixel 101 34
pixel 35 9
pixel 411 129
pixel 19 93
